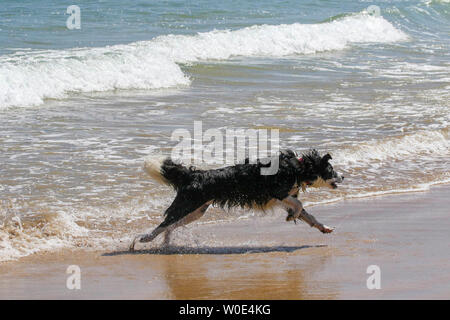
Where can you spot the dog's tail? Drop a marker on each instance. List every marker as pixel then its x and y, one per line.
pixel 166 171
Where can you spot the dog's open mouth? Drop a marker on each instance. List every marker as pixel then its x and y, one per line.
pixel 333 185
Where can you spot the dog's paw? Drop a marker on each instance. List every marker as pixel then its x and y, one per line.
pixel 327 229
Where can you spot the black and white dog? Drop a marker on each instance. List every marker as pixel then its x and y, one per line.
pixel 240 185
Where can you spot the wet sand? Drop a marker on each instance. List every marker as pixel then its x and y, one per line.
pixel 407 236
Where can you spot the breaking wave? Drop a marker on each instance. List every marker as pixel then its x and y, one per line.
pixel 29 77
pixel 413 145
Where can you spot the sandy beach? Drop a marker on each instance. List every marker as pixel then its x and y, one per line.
pixel 405 235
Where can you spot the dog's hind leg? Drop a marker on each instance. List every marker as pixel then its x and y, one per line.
pixel 296 211
pixel 147 237
pixel 180 212
pixel 173 213
pixel 167 237
pixel 194 215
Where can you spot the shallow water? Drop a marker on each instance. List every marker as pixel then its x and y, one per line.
pixel 80 109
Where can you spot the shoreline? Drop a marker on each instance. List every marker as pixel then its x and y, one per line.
pixel 265 258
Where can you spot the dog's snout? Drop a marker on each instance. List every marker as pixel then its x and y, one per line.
pixel 342 177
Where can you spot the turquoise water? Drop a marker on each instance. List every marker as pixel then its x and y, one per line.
pixel 160 37
pixel 42 25
pixel 80 109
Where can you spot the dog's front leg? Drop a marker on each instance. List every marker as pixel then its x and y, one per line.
pixel 296 211
pixel 311 220
pixel 293 207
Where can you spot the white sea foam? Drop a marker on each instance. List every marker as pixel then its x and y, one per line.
pixel 403 147
pixel 27 78
pixel 429 2
pixel 70 228
pixel 53 231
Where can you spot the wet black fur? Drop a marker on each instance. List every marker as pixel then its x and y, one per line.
pixel 240 185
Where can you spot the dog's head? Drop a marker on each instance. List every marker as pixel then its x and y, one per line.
pixel 319 172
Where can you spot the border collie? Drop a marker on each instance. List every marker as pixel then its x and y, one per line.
pixel 240 185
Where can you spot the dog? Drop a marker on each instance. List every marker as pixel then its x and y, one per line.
pixel 241 185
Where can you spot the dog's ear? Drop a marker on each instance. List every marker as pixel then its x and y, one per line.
pixel 325 159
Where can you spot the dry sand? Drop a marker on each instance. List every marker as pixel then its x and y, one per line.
pixel 407 236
